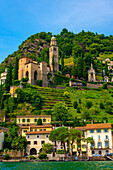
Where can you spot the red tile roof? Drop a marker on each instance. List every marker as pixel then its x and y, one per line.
pixel 81 128
pixel 99 126
pixel 40 126
pixel 0 131
pixel 37 132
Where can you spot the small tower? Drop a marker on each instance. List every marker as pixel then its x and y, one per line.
pixel 91 74
pixel 53 52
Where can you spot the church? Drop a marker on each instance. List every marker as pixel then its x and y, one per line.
pixel 38 70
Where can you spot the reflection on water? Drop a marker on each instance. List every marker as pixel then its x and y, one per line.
pixel 57 165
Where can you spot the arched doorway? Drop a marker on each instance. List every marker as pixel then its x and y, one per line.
pixel 27 74
pixel 35 75
pixel 33 151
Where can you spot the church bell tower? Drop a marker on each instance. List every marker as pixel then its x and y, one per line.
pixel 53 54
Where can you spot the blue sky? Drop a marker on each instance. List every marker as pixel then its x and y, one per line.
pixel 21 18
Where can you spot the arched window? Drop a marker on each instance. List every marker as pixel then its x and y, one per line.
pixel 35 75
pixel 27 74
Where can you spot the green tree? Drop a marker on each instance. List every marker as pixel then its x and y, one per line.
pixel 74 134
pixel 80 67
pixel 75 104
pixel 39 121
pixel 60 112
pixel 74 71
pixel 102 69
pixel 47 148
pixel 8 81
pixel 106 69
pixel 62 62
pixel 16 69
pixel 85 114
pixel 62 136
pixel 85 73
pixel 53 63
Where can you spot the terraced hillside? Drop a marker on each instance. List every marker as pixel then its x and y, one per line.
pixel 52 96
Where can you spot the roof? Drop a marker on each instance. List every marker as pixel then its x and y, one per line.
pixel 37 132
pixel 81 128
pixel 25 57
pixel 33 126
pixel 36 116
pixel 98 126
pixel 1 131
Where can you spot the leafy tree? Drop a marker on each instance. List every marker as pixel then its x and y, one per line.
pixel 104 86
pixel 60 112
pixel 74 134
pixel 74 71
pixel 85 114
pixel 89 104
pixel 102 69
pixel 47 147
pixel 106 69
pixel 62 62
pixel 39 121
pixel 102 106
pixel 8 81
pixel 13 131
pixel 85 73
pixel 20 95
pixel 75 104
pixel 78 109
pixel 6 156
pixel 62 136
pixel 16 69
pixel 42 156
pixel 80 67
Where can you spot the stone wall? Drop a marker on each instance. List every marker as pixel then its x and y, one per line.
pixel 15 154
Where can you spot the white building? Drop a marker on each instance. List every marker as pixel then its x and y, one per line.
pixel 3 76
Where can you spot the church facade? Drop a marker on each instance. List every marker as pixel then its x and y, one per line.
pixel 38 70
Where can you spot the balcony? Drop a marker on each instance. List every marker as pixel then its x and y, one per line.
pixel 106 140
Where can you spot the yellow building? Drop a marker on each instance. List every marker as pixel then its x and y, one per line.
pixel 33 128
pixel 1 139
pixel 28 120
pixel 33 70
pixel 12 91
pixel 102 136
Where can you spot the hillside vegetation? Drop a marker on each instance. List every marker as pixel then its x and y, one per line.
pixel 70 46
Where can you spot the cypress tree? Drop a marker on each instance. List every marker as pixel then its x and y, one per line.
pixel 85 73
pixel 80 67
pixel 62 62
pixel 16 69
pixel 74 71
pixel 102 69
pixel 106 69
pixel 8 81
pixel 53 63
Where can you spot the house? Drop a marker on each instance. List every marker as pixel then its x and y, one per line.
pixel 102 136
pixel 27 120
pixel 24 129
pixel 1 139
pixel 35 140
pixel 3 77
pixel 75 84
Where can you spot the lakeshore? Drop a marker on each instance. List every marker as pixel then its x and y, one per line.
pixel 89 165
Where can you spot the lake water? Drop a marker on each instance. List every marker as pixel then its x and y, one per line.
pixel 57 165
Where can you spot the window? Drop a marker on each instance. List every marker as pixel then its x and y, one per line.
pixel 54 49
pixel 93 152
pixel 99 145
pixel 78 146
pixel 44 129
pixel 35 129
pixel 61 147
pixel 105 130
pixel 83 146
pixel 35 142
pixel 25 130
pixel 28 142
pixel 28 120
pixel 83 133
pixel 35 120
pixel 99 137
pixel 28 136
pixel 92 131
pixel 37 136
pixel 42 142
pixel 46 136
pixel 31 130
pixel 44 120
pixel 19 120
pixel 106 137
pixel 27 66
pixel 98 130
pixel 40 129
pixel 23 120
pixel 106 144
